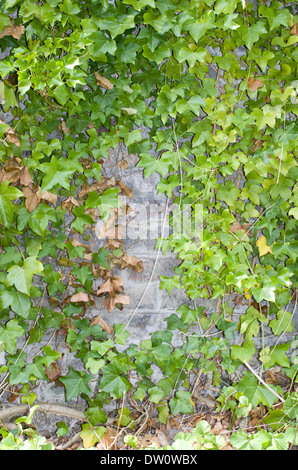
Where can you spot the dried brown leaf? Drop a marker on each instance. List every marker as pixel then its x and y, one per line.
pixel 11 137
pixel 25 177
pixel 107 286
pixel 108 441
pixel 63 128
pixel 81 297
pixel 117 283
pixel 237 226
pixel 14 30
pixel 258 143
pixel 32 195
pixel 253 84
pixel 110 229
pixel 133 262
pixel 105 326
pixel 69 203
pixel 113 243
pixel 294 30
pixel 14 393
pixel 97 186
pixel 125 190
pixel 110 302
pixel 103 82
pixel 12 174
pixel 49 197
pixel 2 175
pixel 53 372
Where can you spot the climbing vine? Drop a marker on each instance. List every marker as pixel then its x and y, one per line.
pixel 214 84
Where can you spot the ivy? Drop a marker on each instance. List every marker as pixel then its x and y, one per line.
pixel 214 84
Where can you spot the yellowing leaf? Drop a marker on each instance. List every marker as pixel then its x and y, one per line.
pixel 246 295
pixel 91 436
pixel 261 243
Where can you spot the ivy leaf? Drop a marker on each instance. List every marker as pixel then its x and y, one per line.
pixel 181 403
pixel 264 293
pixel 256 392
pixel 7 193
pixel 57 172
pixel 261 243
pixel 152 164
pixel 20 303
pixel 244 352
pixel 95 414
pixel 70 8
pixel 252 33
pixel 9 334
pixel 104 202
pixel 186 54
pixel 113 381
pixel 228 193
pixel 241 441
pixel 90 436
pixel 169 282
pixel 283 322
pixel 62 429
pixel 121 334
pixel 115 26
pixel 81 220
pixel 21 277
pixel 76 382
pixel 101 44
pixel 277 355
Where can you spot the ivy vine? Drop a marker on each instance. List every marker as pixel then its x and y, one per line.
pixel 215 84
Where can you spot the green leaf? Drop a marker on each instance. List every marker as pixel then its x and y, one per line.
pixel 283 322
pixel 104 202
pixel 76 382
pixel 244 352
pixel 121 334
pixel 61 93
pixel 251 34
pixel 57 173
pixel 113 381
pixel 7 193
pixel 186 54
pixel 9 334
pixel 256 393
pixel 241 441
pixel 20 303
pixel 117 26
pixel 81 220
pixel 21 277
pixel 169 283
pixel 156 394
pixel 62 429
pixel 264 293
pixel 69 8
pixel 95 414
pixel 181 403
pixel 277 355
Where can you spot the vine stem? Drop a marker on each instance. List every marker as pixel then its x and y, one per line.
pixel 49 408
pixel 263 382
